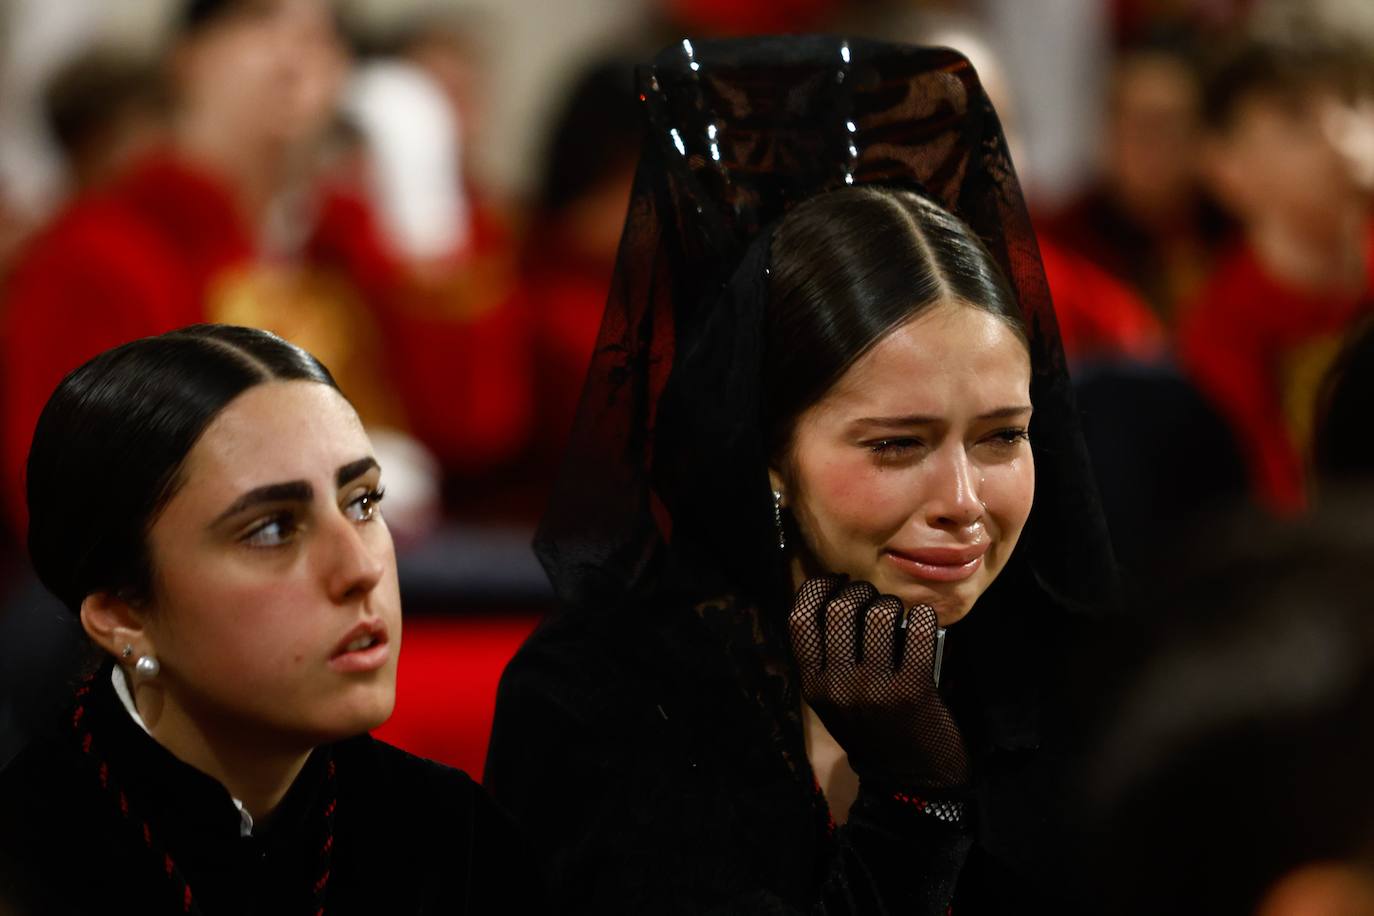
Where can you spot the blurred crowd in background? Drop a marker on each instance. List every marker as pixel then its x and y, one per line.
pixel 1201 173
pixel 428 196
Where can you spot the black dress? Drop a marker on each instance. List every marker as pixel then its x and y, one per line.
pixel 655 767
pixel 98 818
pixel 657 760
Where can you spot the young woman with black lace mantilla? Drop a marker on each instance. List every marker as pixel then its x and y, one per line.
pixel 826 515
pixel 208 503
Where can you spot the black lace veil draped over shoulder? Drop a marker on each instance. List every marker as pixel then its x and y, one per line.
pixel 667 456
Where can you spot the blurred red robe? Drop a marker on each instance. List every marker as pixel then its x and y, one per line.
pixel 165 246
pixel 1258 349
pixel 134 259
pixel 1100 318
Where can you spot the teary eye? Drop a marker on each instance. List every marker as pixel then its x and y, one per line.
pixel 887 446
pixel 896 449
pixel 1011 435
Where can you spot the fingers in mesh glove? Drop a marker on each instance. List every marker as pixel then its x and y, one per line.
pixel 868 668
pixel 922 627
pixel 845 612
pixel 835 618
pixel 808 620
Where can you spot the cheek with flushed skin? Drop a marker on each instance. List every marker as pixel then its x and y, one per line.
pixel 854 496
pixel 847 506
pixel 1007 491
pixel 1009 488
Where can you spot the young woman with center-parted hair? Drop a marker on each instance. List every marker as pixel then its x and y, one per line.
pixel 208 503
pixel 824 520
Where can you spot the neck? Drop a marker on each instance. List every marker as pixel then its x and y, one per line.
pixel 1331 260
pixel 257 772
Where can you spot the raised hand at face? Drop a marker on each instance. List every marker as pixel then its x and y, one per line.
pixel 868 667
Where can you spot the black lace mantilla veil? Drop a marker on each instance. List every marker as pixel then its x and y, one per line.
pixel 666 451
pixel 664 501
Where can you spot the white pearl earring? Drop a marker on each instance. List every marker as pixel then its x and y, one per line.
pixel 147 666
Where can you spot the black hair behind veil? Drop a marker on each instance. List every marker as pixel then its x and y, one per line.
pixel 667 450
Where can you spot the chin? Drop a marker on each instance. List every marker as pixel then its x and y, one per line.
pixel 362 712
pixel 950 615
pixel 951 605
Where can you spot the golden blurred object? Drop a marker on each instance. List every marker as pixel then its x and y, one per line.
pixel 319 311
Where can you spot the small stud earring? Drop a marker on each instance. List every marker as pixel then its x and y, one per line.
pixel 147 666
pixel 777 519
pixel 128 650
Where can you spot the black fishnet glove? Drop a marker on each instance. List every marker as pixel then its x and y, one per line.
pixel 868 670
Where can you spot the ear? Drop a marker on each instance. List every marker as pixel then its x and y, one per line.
pixel 1328 889
pixel 113 623
pixel 776 481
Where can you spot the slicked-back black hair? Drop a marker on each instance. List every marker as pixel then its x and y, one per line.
pixel 848 267
pixel 110 443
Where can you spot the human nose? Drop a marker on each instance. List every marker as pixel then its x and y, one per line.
pixel 953 498
pixel 352 566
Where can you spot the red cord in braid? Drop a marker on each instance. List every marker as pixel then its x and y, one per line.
pixel 168 864
pixel 327 848
pixel 102 769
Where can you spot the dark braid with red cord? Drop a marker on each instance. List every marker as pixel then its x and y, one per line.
pixel 169 867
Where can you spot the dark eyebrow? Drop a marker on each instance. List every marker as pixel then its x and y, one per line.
pixel 1001 413
pixel 292 491
pixel 355 469
pixel 297 491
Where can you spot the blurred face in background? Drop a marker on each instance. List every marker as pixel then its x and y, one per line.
pixel 1153 136
pixel 1279 161
pixel 268 70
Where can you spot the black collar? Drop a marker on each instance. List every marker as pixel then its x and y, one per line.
pixel 193 812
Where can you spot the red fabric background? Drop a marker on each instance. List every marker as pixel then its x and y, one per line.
pixel 446 687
